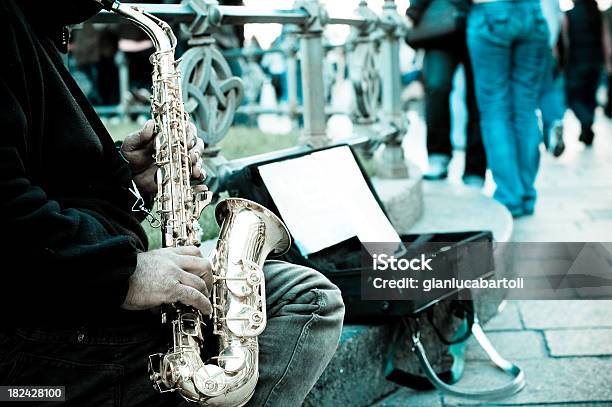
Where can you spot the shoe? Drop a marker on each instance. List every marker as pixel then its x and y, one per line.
pixel 528 208
pixel 556 145
pixel 438 167
pixel 474 181
pixel 517 212
pixel 587 136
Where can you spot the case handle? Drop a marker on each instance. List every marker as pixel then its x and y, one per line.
pixel 509 389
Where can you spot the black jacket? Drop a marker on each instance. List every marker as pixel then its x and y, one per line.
pixel 69 239
pixel 417 8
pixel 584 34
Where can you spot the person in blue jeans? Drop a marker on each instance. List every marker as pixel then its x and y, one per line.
pixel 552 94
pixel 508 44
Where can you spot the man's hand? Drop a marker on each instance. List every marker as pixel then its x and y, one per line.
pixel 139 147
pixel 172 274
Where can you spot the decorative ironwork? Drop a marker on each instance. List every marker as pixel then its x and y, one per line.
pixel 365 78
pixel 213 95
pixel 211 92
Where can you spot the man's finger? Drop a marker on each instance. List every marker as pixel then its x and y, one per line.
pixel 146 180
pixel 141 159
pixel 195 264
pixel 194 281
pixel 194 156
pixel 147 132
pixel 198 266
pixel 187 251
pixel 139 139
pixel 200 146
pixel 196 172
pixel 192 134
pixel 190 296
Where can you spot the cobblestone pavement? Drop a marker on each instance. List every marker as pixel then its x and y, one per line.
pixel 565 347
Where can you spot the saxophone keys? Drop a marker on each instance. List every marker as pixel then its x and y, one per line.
pixel 254 278
pixel 245 279
pixel 232 359
pixel 244 320
pixel 210 380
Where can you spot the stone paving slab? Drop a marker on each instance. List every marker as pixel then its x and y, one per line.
pixel 600 214
pixel 593 404
pixel 566 232
pixel 597 231
pixel 550 380
pixel 443 202
pixel 558 213
pixel 582 342
pixel 507 319
pixel 551 314
pixel 408 397
pixel 536 223
pixel 402 199
pixel 512 345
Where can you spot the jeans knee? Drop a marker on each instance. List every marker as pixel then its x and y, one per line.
pixel 332 306
pixel 328 297
pixel 301 290
pixel 329 319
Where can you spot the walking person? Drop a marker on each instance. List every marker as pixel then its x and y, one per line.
pixel 552 95
pixel 442 58
pixel 508 42
pixel 584 51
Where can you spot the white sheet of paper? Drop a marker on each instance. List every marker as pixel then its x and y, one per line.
pixel 324 200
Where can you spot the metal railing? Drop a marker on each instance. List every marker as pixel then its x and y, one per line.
pixel 372 54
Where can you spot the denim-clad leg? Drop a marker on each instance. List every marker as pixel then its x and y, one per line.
pixel 491 58
pixel 581 86
pixel 104 366
pixel 305 313
pixel 507 43
pixel 552 97
pixel 529 58
pixel 439 67
pixel 475 158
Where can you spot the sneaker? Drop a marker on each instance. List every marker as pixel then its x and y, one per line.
pixel 438 167
pixel 556 145
pixel 474 181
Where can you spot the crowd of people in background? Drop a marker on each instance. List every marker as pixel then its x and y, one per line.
pixel 525 63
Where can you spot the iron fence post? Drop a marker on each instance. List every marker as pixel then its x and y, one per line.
pixel 392 162
pixel 313 90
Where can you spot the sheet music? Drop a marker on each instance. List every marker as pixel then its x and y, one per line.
pixel 324 199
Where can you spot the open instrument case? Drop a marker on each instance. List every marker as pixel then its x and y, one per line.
pixel 342 263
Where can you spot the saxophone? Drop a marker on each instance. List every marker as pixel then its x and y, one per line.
pixel 249 233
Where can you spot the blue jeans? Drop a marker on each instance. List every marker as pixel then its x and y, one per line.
pixel 508 42
pixel 552 96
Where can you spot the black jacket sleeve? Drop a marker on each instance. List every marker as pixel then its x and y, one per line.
pixel 55 257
